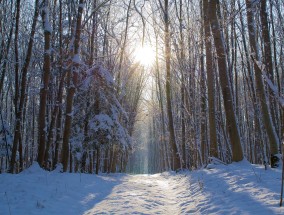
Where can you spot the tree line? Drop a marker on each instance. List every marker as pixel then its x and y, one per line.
pixel 218 84
pixel 71 92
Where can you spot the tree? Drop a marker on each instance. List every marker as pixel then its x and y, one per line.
pixel 76 94
pixel 45 82
pixel 231 122
pixel 210 81
pixel 260 91
pixel 267 58
pixel 175 154
pixel 22 96
pixel 72 82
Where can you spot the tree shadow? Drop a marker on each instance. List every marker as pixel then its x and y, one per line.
pixel 230 192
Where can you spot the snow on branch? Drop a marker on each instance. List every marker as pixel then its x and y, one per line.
pixel 101 122
pixel 98 72
pixel 271 85
pixel 45 17
pixel 76 59
pixel 81 5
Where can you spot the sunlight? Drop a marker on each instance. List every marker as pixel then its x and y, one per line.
pixel 145 55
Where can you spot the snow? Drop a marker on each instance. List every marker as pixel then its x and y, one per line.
pixel 238 188
pixel 81 6
pixel 271 85
pixel 46 23
pixel 99 70
pixel 77 59
pixel 104 122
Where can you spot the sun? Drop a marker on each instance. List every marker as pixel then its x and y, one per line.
pixel 144 55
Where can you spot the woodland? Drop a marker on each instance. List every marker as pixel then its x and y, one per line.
pixel 104 86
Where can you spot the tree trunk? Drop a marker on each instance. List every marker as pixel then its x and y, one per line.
pixel 17 87
pixel 175 154
pixel 113 158
pixel 45 81
pixel 72 79
pixel 182 90
pixel 165 156
pixel 210 82
pixel 231 122
pixel 260 91
pixel 60 92
pixel 54 117
pixel 19 112
pixel 4 53
pixel 106 159
pixel 203 93
pixel 98 158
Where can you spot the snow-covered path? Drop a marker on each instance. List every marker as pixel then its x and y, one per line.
pixel 140 194
pixel 238 188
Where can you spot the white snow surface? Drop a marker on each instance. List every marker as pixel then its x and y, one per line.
pixel 238 188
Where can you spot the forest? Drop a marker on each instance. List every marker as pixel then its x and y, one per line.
pixel 105 86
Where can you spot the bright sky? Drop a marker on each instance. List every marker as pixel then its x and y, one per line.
pixel 145 55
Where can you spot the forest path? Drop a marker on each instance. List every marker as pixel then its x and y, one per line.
pixel 141 194
pixel 238 188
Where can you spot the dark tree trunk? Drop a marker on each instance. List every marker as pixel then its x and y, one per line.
pixel 231 122
pixel 260 91
pixel 19 113
pixel 175 154
pixel 210 82
pixel 45 81
pixel 72 81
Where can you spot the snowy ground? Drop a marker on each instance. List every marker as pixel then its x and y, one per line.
pixel 239 188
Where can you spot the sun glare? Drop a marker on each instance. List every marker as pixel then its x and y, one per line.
pixel 145 55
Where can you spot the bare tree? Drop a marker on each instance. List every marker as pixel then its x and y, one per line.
pixel 72 82
pixel 22 96
pixel 260 91
pixel 231 122
pixel 210 81
pixel 45 81
pixel 175 154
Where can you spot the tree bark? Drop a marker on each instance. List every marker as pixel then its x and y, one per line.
pixel 268 56
pixel 165 156
pixel 203 92
pixel 210 82
pixel 60 92
pixel 260 91
pixel 19 113
pixel 72 81
pixel 98 159
pixel 45 81
pixel 231 123
pixel 175 154
pixel 54 117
